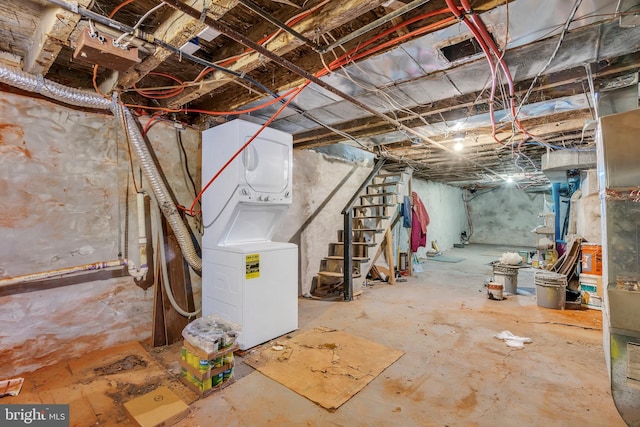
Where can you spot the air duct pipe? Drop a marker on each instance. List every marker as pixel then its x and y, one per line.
pixel 165 202
pixel 39 84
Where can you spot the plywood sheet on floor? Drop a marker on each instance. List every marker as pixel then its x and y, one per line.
pixel 326 366
pixel 97 384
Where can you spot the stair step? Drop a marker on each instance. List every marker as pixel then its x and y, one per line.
pixel 372 217
pixel 364 196
pixel 355 243
pixel 355 258
pixel 375 205
pixel 386 184
pixel 333 274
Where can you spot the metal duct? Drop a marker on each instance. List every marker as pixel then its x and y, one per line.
pixel 618 95
pixel 556 164
pixel 39 84
pixel 165 202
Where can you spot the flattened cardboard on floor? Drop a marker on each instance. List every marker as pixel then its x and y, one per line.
pixel 324 365
pixel 158 408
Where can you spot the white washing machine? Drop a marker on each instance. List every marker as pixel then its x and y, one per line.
pixel 247 278
pixel 255 285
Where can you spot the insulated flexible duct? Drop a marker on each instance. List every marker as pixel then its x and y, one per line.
pixel 38 84
pixel 161 192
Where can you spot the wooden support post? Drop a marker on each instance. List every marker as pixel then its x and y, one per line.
pixel 168 323
pixel 389 256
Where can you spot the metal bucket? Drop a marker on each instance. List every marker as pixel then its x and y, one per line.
pixel 551 289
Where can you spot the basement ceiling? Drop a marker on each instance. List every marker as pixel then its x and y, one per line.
pixel 415 88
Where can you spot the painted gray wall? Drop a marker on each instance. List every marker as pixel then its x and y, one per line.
pixel 63 186
pixel 505 216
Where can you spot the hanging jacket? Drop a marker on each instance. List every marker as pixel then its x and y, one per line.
pixel 419 224
pixel 406 212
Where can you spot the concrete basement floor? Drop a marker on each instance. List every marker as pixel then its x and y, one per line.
pixel 453 372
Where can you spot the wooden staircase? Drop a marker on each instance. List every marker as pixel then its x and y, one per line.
pixel 372 215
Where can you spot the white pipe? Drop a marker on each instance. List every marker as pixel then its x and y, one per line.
pixel 163 265
pixel 140 273
pixel 61 272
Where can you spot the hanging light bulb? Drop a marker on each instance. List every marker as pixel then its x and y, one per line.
pixel 459 146
pixel 509 178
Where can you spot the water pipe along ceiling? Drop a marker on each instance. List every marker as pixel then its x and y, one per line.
pixel 402 79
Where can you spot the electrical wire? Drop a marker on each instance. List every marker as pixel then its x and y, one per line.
pixel 186 162
pixel 246 144
pixel 553 55
pixel 137 25
pixel 162 93
pixel 120 6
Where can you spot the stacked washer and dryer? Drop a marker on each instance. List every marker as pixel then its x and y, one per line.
pixel 246 277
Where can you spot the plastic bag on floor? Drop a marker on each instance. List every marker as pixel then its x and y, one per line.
pixel 417 265
pixel 511 340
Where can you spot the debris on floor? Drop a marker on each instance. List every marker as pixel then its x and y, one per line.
pixel 158 408
pixel 98 384
pixel 11 387
pixel 512 340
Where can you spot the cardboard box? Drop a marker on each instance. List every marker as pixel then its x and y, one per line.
pixel 158 408
pixel 203 393
pixel 206 355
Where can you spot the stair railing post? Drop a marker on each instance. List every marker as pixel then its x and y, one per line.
pixel 347 270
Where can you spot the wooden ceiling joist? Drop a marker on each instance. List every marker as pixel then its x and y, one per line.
pixel 51 34
pixel 176 29
pixel 325 19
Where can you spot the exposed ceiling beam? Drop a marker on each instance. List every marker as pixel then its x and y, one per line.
pixel 51 34
pixel 482 141
pixel 176 29
pixel 234 97
pixel 324 20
